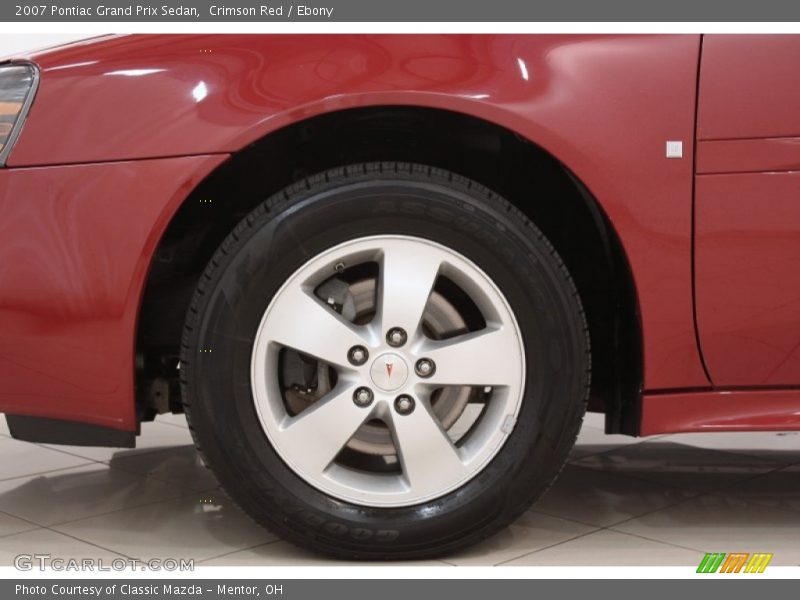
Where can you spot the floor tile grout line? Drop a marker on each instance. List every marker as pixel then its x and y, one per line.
pixel 582 535
pixel 141 452
pixel 44 446
pixel 241 550
pixel 692 495
pixel 34 528
pixel 537 511
pixel 182 491
pixel 623 477
pixel 772 471
pixel 599 530
pixel 102 514
pixel 652 539
pixel 532 510
pixel 73 454
pixel 744 480
pixel 45 528
pixel 49 472
pixel 138 451
pixel 145 476
pixel 53 527
pixel 67 452
pixel 117 510
pixel 760 504
pixel 8 514
pixel 74 537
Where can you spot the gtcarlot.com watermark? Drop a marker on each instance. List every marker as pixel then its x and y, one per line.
pixel 42 562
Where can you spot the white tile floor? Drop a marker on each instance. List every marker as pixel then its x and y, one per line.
pixel 619 501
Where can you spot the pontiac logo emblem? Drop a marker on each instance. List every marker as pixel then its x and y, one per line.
pixel 389 372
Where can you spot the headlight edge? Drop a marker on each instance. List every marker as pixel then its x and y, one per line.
pixel 19 122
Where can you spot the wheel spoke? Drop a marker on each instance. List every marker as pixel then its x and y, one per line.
pixel 315 436
pixel 426 453
pixel 406 281
pixel 485 357
pixel 304 324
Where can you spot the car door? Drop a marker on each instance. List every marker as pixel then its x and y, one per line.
pixel 747 210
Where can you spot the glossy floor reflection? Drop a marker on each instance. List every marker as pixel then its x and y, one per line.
pixel 619 501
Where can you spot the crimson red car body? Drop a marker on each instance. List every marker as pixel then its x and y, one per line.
pixel 124 128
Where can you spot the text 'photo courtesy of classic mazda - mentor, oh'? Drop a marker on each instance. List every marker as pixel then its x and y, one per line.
pixel 384 276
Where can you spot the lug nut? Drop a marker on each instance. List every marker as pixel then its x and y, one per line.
pixel 357 355
pixel 404 404
pixel 396 337
pixel 425 367
pixel 363 396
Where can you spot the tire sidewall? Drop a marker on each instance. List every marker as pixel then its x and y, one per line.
pixel 267 248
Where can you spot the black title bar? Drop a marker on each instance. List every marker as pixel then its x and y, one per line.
pixel 464 11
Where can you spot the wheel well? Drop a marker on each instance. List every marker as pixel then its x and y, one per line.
pixel 515 168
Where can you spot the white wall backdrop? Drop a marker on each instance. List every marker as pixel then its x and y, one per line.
pixel 15 43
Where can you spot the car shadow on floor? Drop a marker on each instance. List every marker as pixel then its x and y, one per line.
pixel 162 501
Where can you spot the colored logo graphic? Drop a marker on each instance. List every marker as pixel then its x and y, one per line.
pixel 735 562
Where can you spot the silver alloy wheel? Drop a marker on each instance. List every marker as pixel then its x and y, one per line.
pixel 431 463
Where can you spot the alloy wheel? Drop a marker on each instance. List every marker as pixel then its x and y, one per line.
pixel 388 371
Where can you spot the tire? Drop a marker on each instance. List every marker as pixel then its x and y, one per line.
pixel 242 288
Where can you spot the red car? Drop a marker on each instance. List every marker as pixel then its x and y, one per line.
pixel 384 276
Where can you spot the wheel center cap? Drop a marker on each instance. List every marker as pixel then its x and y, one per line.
pixel 389 372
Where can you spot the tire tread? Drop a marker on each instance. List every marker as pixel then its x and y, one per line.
pixel 301 189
